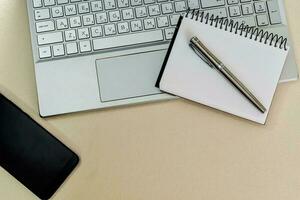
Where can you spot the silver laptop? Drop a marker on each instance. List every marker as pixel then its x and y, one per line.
pixel 91 54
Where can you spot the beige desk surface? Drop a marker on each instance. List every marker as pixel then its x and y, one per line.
pixel 167 150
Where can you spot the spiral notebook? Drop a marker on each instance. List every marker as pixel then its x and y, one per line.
pixel 256 57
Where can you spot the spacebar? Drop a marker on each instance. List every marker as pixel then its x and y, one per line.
pixel 126 40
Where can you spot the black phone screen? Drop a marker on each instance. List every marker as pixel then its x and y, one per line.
pixel 30 153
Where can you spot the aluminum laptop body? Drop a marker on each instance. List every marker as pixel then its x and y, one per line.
pixel 123 69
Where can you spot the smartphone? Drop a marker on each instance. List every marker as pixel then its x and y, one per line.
pixel 30 153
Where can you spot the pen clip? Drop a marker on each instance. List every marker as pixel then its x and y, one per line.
pixel 199 53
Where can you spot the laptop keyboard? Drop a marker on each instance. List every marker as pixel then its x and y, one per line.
pixel 76 27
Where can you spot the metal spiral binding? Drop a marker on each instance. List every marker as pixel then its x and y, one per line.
pixel 238 28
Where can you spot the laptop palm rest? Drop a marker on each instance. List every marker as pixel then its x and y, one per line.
pixel 129 76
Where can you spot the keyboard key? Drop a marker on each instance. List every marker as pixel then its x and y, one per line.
pixel 44 26
pixel 174 19
pixel 101 18
pixel 136 2
pixel 88 20
pixel 247 9
pixel 109 4
pixel 71 48
pixel 114 16
pixel 58 50
pixel 37 3
pixel 262 20
pixel 85 46
pixel 70 10
pixel 193 4
pixel 127 40
pixel 234 11
pixel 260 7
pixel 180 6
pixel 230 2
pixel 96 6
pixel 162 21
pixel 110 29
pixel 83 33
pixel 42 14
pixel 49 2
pixel 57 11
pixel 169 32
pixel 247 20
pixel 167 8
pixel 75 22
pixel 212 3
pixel 70 35
pixel 149 23
pixel 274 13
pixel 217 12
pixel 83 8
pixel 140 12
pixel 50 38
pixel 96 31
pixel 127 13
pixel 154 10
pixel 123 27
pixel 136 25
pixel 45 52
pixel 62 24
pixel 123 3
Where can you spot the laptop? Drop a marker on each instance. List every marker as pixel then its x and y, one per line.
pixel 91 54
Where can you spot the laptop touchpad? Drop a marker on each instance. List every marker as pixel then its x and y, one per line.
pixel 129 76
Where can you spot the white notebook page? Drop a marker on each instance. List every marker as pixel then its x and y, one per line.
pixel 256 64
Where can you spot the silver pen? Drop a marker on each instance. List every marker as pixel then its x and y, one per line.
pixel 214 62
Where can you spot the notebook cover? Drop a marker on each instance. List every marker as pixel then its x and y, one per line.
pixel 168 52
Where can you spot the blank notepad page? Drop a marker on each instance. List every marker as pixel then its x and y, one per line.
pixel 256 64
